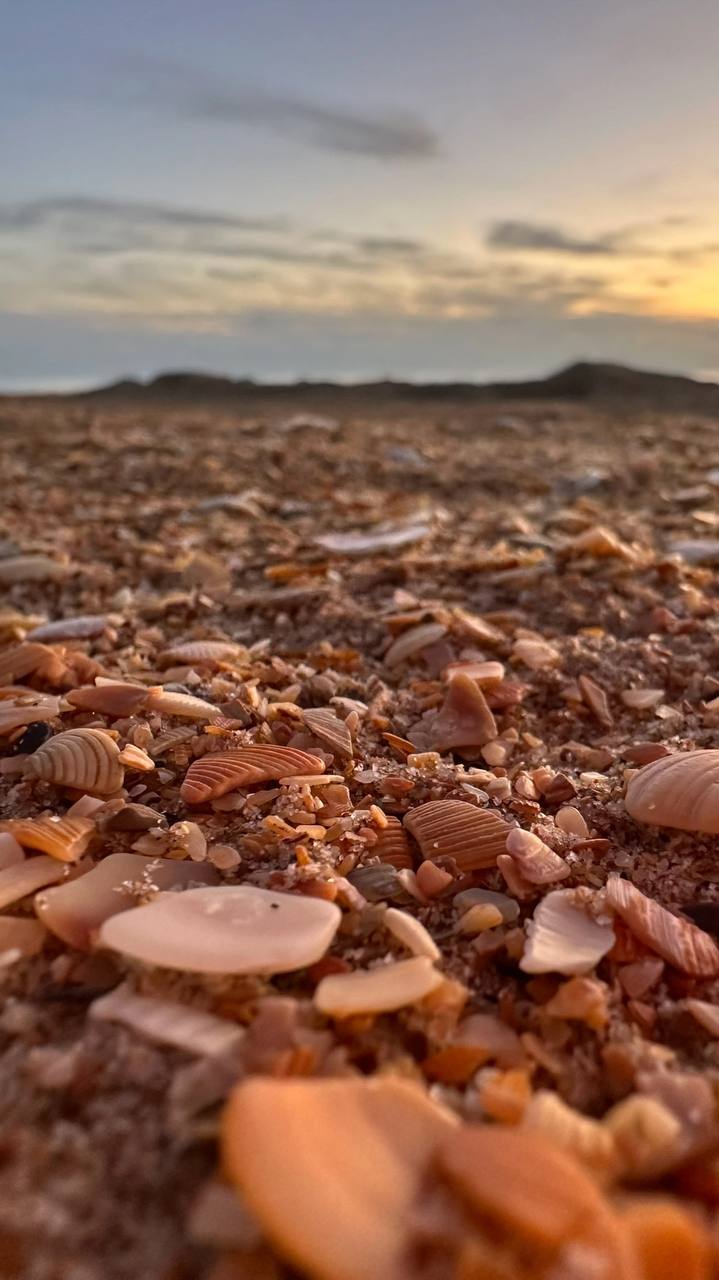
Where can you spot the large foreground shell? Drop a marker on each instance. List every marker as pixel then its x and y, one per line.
pixel 63 838
pixel 222 771
pixel 675 939
pixel 459 830
pixel 678 791
pixel 86 759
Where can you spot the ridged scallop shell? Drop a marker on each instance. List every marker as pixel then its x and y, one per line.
pixel 674 938
pixel 86 759
pixel 222 771
pixel 183 705
pixel 28 709
pixel 63 838
pixel 459 830
pixel 325 725
pixel 392 845
pixel 109 699
pixel 81 628
pixel 30 569
pixel 678 791
pixel 202 652
pixel 21 660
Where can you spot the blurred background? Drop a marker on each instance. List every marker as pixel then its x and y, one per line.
pixel 349 189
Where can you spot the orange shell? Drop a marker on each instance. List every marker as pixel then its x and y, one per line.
pixel 27 707
pixel 110 699
pixel 673 938
pixel 86 759
pixel 222 771
pixel 63 838
pixel 333 732
pixel 392 845
pixel 459 830
pixel 679 791
pixel 20 660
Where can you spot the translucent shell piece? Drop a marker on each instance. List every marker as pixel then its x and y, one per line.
pixel 28 708
pixel 675 939
pixel 80 628
pixel 85 759
pixel 377 990
pixel 201 652
pixel 109 699
pixel 459 830
pixel 182 705
pixel 333 732
pixel 392 845
pixel 63 838
pixel 216 774
pixel 680 791
pixel 22 660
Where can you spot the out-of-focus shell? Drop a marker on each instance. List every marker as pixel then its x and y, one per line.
pixel 392 845
pixel 85 759
pixel 459 830
pixel 30 568
pixel 169 1022
pixel 674 938
pixel 357 543
pixel 378 990
pixel 413 641
pixel 22 878
pixel 63 838
pixel 183 705
pixel 81 628
pixel 563 938
pixel 20 660
pixel 580 1136
pixel 118 700
pixel 215 774
pixel 20 936
pixel 10 850
pixel 27 708
pixel 333 732
pixel 680 791
pixel 378 882
pixel 200 653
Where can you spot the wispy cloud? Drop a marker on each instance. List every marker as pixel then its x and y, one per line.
pixel 538 237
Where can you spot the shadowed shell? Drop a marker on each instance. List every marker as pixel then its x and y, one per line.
pixel 117 700
pixel 679 791
pixel 333 732
pixel 215 774
pixel 85 759
pixel 21 660
pixel 457 829
pixel 80 628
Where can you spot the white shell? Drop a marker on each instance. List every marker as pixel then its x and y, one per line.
pixel 563 938
pixel 378 990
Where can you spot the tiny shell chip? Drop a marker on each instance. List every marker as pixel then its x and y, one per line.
pixel 85 759
pixel 26 937
pixel 22 878
pixel 536 862
pixel 135 758
pixel 215 774
pixel 81 628
pixel 413 641
pixel 109 699
pixel 392 845
pixel 563 938
pixel 679 791
pixel 459 830
pixel 33 708
pixel 63 838
pixel 378 990
pixel 183 705
pixel 200 653
pixel 675 939
pixel 75 911
pixel 30 568
pixel 325 725
pixel 227 929
pixel 355 543
pixel 336 1210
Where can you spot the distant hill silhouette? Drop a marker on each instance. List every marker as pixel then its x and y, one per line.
pixel 596 383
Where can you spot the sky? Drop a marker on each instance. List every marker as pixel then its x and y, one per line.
pixel 428 189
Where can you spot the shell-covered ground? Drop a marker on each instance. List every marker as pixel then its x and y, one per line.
pixel 510 608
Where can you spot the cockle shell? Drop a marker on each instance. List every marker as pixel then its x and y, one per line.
pixel 674 938
pixel 81 628
pixel 200 653
pixel 680 791
pixel 457 829
pixel 183 705
pixel 116 700
pixel 63 838
pixel 333 732
pixel 222 771
pixel 85 759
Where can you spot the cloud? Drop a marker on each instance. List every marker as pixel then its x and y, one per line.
pixel 536 237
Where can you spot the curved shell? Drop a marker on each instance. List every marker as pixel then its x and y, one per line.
pixel 28 708
pixel 30 569
pixel 222 771
pixel 86 759
pixel 119 699
pixel 63 838
pixel 183 705
pixel 81 628
pixel 457 829
pixel 333 732
pixel 203 652
pixel 20 660
pixel 392 845
pixel 673 938
pixel 679 791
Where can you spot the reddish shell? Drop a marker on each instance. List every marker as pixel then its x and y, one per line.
pixel 459 830
pixel 216 774
pixel 109 699
pixel 392 845
pixel 200 652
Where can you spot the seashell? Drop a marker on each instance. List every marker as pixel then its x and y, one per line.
pixel 168 741
pixel 590 1142
pixel 479 918
pixel 15 569
pixel 649 1138
pixel 117 700
pixel 507 907
pixel 411 933
pixel 464 719
pixel 571 821
pixel 22 878
pixel 535 861
pixel 563 938
pixel 22 660
pixel 85 759
pixel 680 791
pixel 475 628
pixel 182 705
pixel 134 758
pixel 355 543
pixel 63 838
pixel 169 1022
pixel 76 910
pixel 325 725
pixel 30 708
pixel 413 641
pixel 11 850
pixel 200 653
pixel 596 699
pixel 229 929
pixel 280 1149
pixel 706 1014
pixel 377 882
pixel 642 699
pixel 457 829
pixel 85 627
pixel 379 990
pixel 674 938
pixel 392 845
pixel 20 937
pixel 486 674
pixel 219 772
pixel 537 654
pixel 581 1000
pixel 599 542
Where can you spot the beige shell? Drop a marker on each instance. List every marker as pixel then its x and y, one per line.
pixel 183 705
pixel 63 838
pixel 562 937
pixel 378 990
pixel 85 759
pixel 680 791
pixel 333 732
pixel 30 569
pixel 535 861
pixel 463 721
pixel 20 660
pixel 222 771
pixel 81 628
pixel 457 829
pixel 413 641
pixel 27 708
pixel 116 700
pixel 580 1136
pixel 674 938
pixel 200 652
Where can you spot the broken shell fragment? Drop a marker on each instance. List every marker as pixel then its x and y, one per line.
pixel 63 838
pixel 225 929
pixel 392 845
pixel 183 705
pixel 411 933
pixel 589 1141
pixel 85 759
pixel 413 641
pixel 674 938
pixel 457 829
pixel 222 771
pixel 463 721
pixel 21 660
pixel 679 791
pixel 85 627
pixel 563 938
pixel 20 937
pixel 536 862
pixel 325 725
pixel 109 699
pixel 378 990
pixel 29 708
pixel 169 1022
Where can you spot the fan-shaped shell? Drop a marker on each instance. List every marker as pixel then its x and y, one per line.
pixel 325 725
pixel 459 830
pixel 392 845
pixel 109 699
pixel 183 705
pixel 63 838
pixel 678 791
pixel 222 771
pixel 86 759
pixel 673 938
pixel 27 708
pixel 81 628
pixel 201 652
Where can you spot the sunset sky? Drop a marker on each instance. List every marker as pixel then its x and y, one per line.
pixel 355 188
